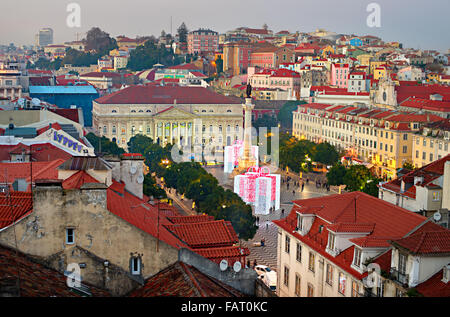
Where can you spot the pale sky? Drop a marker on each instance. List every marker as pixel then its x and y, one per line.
pixel 415 23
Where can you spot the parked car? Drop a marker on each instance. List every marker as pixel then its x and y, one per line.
pixel 267 275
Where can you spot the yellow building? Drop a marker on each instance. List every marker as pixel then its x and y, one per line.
pixel 375 64
pixel 382 139
pixel 380 72
pixel 364 59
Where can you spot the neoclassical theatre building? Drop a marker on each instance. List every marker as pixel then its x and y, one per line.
pixel 169 114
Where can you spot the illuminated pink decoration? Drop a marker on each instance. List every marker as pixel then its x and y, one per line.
pixel 259 188
pixel 232 154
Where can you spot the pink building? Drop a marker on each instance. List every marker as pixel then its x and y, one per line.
pixel 202 40
pixel 339 75
pixel 284 79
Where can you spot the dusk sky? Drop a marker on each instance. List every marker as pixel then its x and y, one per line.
pixel 415 23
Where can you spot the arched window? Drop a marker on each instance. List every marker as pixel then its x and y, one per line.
pixel 133 110
pixel 114 111
pixel 149 110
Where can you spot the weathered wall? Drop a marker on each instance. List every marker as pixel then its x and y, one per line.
pixel 243 281
pixel 97 230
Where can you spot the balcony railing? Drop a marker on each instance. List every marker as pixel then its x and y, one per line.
pixel 400 277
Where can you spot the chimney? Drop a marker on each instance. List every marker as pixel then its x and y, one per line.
pixel 131 173
pixel 446 187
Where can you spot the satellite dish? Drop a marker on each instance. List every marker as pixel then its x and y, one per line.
pixel 223 265
pixel 35 102
pixel 237 266
pixel 133 169
pixel 140 179
pixel 437 216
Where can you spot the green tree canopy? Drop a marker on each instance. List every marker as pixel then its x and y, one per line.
pixel 285 115
pixel 335 175
pixel 99 41
pixel 325 153
pixel 104 145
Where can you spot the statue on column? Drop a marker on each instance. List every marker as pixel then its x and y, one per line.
pixel 249 90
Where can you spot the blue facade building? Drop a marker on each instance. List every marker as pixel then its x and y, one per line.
pixel 357 42
pixel 66 96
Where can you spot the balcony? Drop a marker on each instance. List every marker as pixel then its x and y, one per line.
pixel 398 276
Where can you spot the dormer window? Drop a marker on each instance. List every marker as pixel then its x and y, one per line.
pixel 446 273
pixel 299 222
pixel 331 241
pixel 357 257
pixel 135 265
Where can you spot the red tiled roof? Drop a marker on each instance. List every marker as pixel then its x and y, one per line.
pixel 41 152
pixel 354 207
pixel 182 280
pixel 191 219
pixel 78 179
pixel 434 287
pixel 204 234
pixel 14 207
pixel 101 75
pixel 41 170
pixel 165 95
pixel 36 280
pixel 428 242
pixel 351 227
pixel 427 104
pixel 421 91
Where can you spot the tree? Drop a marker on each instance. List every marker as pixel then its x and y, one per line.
pixel 325 153
pixel 356 177
pixel 265 121
pixel 409 166
pixel 99 41
pixel 285 115
pixel 104 145
pixel 335 175
pixel 151 188
pixel 219 65
pixel 182 33
pixel 149 54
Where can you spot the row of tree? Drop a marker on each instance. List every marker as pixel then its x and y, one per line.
pixel 191 180
pixel 298 155
pixel 354 177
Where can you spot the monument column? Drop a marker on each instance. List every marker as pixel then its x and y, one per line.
pixel 247 159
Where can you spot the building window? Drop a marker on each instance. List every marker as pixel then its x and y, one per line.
pixel 113 129
pixel 135 265
pixel 299 252
pixel 70 235
pixel 342 281
pixel 405 137
pixel 297 284
pixel 331 241
pixel 311 261
pixel 402 263
pixel 287 244
pixel 299 223
pixel 431 157
pixel 286 276
pixel 436 196
pixel 310 290
pixel 355 289
pixel 357 257
pixel 329 278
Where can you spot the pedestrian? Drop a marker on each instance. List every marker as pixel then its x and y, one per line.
pixel 307 180
pixel 303 186
pixel 254 263
pixel 267 225
pixel 282 211
pixel 262 242
pixel 293 192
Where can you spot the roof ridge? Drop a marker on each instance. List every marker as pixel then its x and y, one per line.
pixel 191 279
